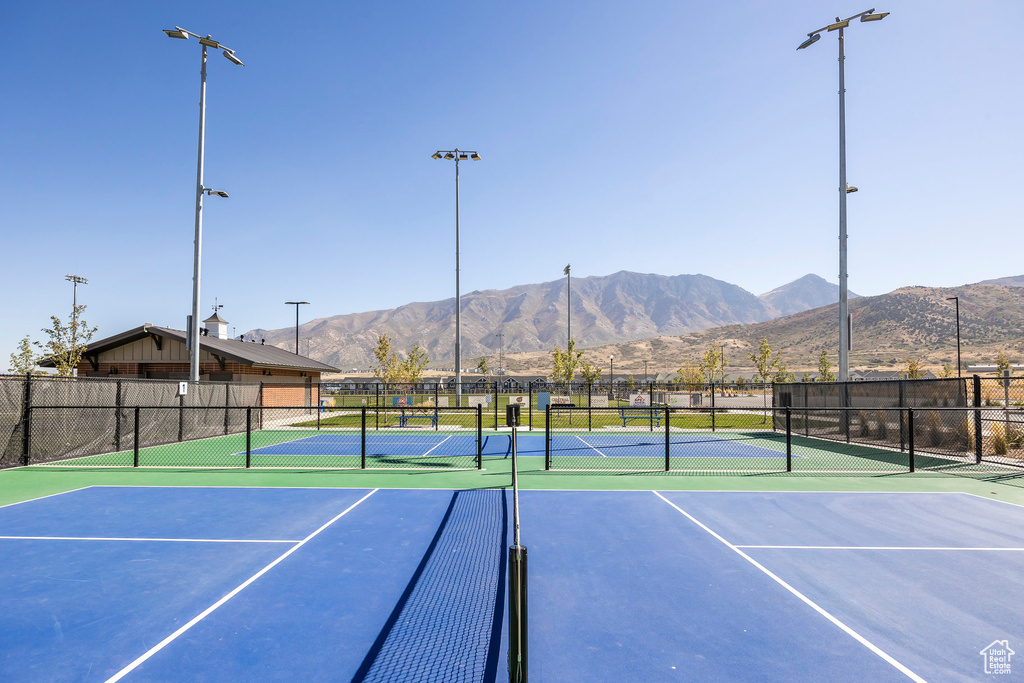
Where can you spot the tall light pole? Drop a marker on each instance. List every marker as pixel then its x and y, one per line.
pixel 296 304
pixel 957 300
pixel 723 369
pixel 501 353
pixel 458 155
pixel 611 372
pixel 844 188
pixel 193 331
pixel 645 371
pixel 568 307
pixel 77 280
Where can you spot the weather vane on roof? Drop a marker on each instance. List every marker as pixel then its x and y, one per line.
pixel 216 306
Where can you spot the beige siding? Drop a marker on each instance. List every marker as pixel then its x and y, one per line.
pixel 145 351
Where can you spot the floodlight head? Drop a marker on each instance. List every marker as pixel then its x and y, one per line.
pixel 850 189
pixel 810 41
pixel 464 156
pixel 209 42
pixel 436 155
pixel 952 298
pixel 874 17
pixel 219 193
pixel 449 155
pixel 230 56
pixel 831 27
pixel 176 33
pixel 474 156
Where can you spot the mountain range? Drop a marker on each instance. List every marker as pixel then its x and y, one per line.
pixel 609 309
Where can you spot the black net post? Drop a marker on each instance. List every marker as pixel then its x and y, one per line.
pixel 362 439
pixel 248 438
pixel 789 440
pixel 135 439
pixel 977 419
pixel 547 437
pixel 517 614
pixel 529 402
pixel 668 442
pixel 495 405
pixel 712 406
pixel 910 436
pixel 26 421
pixel 900 404
pixel 117 418
pixel 480 436
pixel 181 418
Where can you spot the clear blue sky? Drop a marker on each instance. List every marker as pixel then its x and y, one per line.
pixel 667 137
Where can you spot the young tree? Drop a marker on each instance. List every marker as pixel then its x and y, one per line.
pixel 482 366
pixel 740 382
pixel 806 377
pixel 914 369
pixel 413 366
pixel 825 368
pixel 689 375
pixel 67 343
pixel 387 367
pixel 23 361
pixel 1002 363
pixel 590 373
pixel 763 361
pixel 710 363
pixel 947 371
pixel 565 362
pixel 782 375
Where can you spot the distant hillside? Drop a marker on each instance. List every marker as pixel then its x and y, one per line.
pixel 1011 281
pixel 810 291
pixel 887 329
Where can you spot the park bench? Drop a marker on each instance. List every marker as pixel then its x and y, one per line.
pixel 644 414
pixel 408 414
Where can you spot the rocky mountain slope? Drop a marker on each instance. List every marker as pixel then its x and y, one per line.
pixel 606 309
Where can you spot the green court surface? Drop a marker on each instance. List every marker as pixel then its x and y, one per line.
pixel 24 483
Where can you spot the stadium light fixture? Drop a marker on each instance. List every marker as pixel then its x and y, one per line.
pixel 957 300
pixel 193 331
pixel 844 188
pixel 457 155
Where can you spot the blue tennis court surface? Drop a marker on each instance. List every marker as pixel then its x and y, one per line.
pixel 253 584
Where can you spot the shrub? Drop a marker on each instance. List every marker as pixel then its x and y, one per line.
pixel 997 434
pixel 882 419
pixel 933 428
pixel 865 426
pixel 1015 434
pixel 963 434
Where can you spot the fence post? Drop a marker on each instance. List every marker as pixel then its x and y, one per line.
pixel 977 420
pixel 318 411
pixel 668 441
pixel 135 432
pixel 181 418
pixel 227 407
pixel 547 437
pixel 26 420
pixel 529 402
pixel 362 440
pixel 789 440
pixel 117 418
pixel 248 437
pixel 480 435
pixel 590 425
pixel 807 415
pixel 899 411
pixel 495 405
pixel 650 404
pixel 910 434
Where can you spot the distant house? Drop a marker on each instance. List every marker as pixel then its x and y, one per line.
pixel 153 352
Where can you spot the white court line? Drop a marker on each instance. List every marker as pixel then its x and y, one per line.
pixel 122 538
pixel 202 615
pixel 438 445
pixel 49 495
pixel 591 447
pixel 810 603
pixel 872 547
